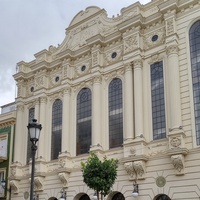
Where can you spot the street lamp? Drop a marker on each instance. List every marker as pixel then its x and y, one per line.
pixel 34 131
pixel 135 192
pixel 63 195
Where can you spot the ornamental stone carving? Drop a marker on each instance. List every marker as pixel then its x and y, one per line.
pixel 95 58
pixel 150 43
pixel 39 82
pixel 137 63
pixel 170 26
pixel 83 68
pixel 14 184
pixel 178 163
pixel 135 170
pixel 128 67
pixel 109 58
pixel 20 107
pixel 64 177
pixel 130 43
pixel 97 79
pixel 175 142
pixel 38 183
pixel 172 49
pixel 55 77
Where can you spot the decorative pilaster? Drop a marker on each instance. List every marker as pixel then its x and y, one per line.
pixel 138 98
pixel 18 149
pixel 96 112
pixel 66 124
pixel 128 102
pixel 42 142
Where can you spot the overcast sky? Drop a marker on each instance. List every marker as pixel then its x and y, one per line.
pixel 29 26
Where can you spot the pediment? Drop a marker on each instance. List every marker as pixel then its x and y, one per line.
pixel 86 25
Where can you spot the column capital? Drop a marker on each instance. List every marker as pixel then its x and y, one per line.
pixel 172 49
pixel 20 107
pixel 128 66
pixel 97 79
pixel 67 90
pixel 137 63
pixel 43 99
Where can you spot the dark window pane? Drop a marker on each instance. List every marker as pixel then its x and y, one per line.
pixel 194 36
pixel 84 122
pixel 158 101
pixel 31 114
pixel 115 113
pixel 56 129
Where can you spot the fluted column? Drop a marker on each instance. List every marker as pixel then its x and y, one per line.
pixel 128 102
pixel 174 87
pixel 66 120
pixel 19 145
pixel 138 97
pixel 43 134
pixel 96 111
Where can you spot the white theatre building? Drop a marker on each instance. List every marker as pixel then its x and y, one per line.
pixel 127 87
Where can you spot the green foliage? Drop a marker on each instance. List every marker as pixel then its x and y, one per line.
pixel 99 175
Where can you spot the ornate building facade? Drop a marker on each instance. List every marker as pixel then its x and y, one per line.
pixel 7 134
pixel 126 87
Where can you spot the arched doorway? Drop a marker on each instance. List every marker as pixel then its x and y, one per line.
pixel 162 197
pixel 84 197
pixel 118 196
pixel 53 198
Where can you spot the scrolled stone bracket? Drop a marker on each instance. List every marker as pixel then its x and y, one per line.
pixel 38 183
pixel 64 177
pixel 14 184
pixel 178 162
pixel 135 169
pixel 177 150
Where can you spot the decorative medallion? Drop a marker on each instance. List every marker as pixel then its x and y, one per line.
pixel 26 195
pixel 160 181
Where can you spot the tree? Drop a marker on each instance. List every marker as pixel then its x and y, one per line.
pixel 99 175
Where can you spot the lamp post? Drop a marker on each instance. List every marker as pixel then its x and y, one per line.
pixel 34 131
pixel 135 192
pixel 63 194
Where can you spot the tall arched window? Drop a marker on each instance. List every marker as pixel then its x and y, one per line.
pixel 194 37
pixel 158 101
pixel 31 114
pixel 56 133
pixel 115 113
pixel 84 122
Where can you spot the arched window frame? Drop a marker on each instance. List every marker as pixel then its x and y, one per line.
pixel 163 123
pixel 83 121
pixel 56 131
pixel 113 111
pixel 194 63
